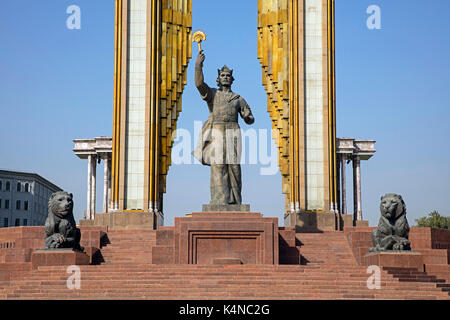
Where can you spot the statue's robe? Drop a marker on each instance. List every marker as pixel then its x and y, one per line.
pixel 220 143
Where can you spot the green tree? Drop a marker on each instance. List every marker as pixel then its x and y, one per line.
pixel 434 220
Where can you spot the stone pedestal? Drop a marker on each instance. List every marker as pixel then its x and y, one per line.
pixel 218 238
pixel 312 221
pixel 123 221
pixel 223 208
pixel 58 257
pixel 400 259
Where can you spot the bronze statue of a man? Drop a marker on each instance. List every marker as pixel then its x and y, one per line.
pixel 220 143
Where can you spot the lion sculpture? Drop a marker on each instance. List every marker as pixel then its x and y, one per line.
pixel 393 229
pixel 60 227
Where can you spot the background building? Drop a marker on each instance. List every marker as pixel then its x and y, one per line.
pixel 23 198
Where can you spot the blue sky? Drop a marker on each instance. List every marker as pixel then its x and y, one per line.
pixel 392 86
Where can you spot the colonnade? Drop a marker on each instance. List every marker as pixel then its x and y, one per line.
pixel 95 150
pixel 93 159
pixel 351 150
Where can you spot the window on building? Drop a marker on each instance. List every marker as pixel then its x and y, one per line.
pixel 17 222
pixel 6 204
pixel 1 185
pixel 18 186
pixel 8 185
pixel 5 222
pixel 25 205
pixel 0 203
pixel 18 204
pixel 25 222
pixel 27 187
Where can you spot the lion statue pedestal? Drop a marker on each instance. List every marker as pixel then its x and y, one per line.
pixel 62 237
pixel 390 239
pixel 60 227
pixel 393 229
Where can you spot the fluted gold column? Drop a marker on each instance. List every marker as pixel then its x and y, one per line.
pixel 119 64
pixel 273 52
pixel 150 75
pixel 298 75
pixel 176 51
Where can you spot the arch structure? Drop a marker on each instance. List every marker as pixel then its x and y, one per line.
pixel 296 51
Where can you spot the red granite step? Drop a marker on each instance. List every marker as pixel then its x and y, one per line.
pixel 207 280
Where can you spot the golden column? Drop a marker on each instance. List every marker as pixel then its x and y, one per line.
pixel 296 51
pixel 152 51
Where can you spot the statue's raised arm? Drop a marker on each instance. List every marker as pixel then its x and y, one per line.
pixel 199 78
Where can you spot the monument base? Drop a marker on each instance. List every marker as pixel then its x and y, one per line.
pixel 125 220
pixel 314 221
pixel 219 238
pixel 58 257
pixel 225 207
pixel 399 259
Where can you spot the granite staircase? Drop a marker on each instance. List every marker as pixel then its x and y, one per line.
pixel 128 246
pixel 412 275
pixel 328 271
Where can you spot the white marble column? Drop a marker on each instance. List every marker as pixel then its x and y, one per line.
pixel 357 213
pixel 89 188
pixel 343 186
pixel 105 183
pixel 94 186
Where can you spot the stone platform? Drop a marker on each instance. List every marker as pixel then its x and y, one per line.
pixel 318 221
pixel 124 220
pixel 433 244
pixel 395 259
pixel 232 237
pixel 58 257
